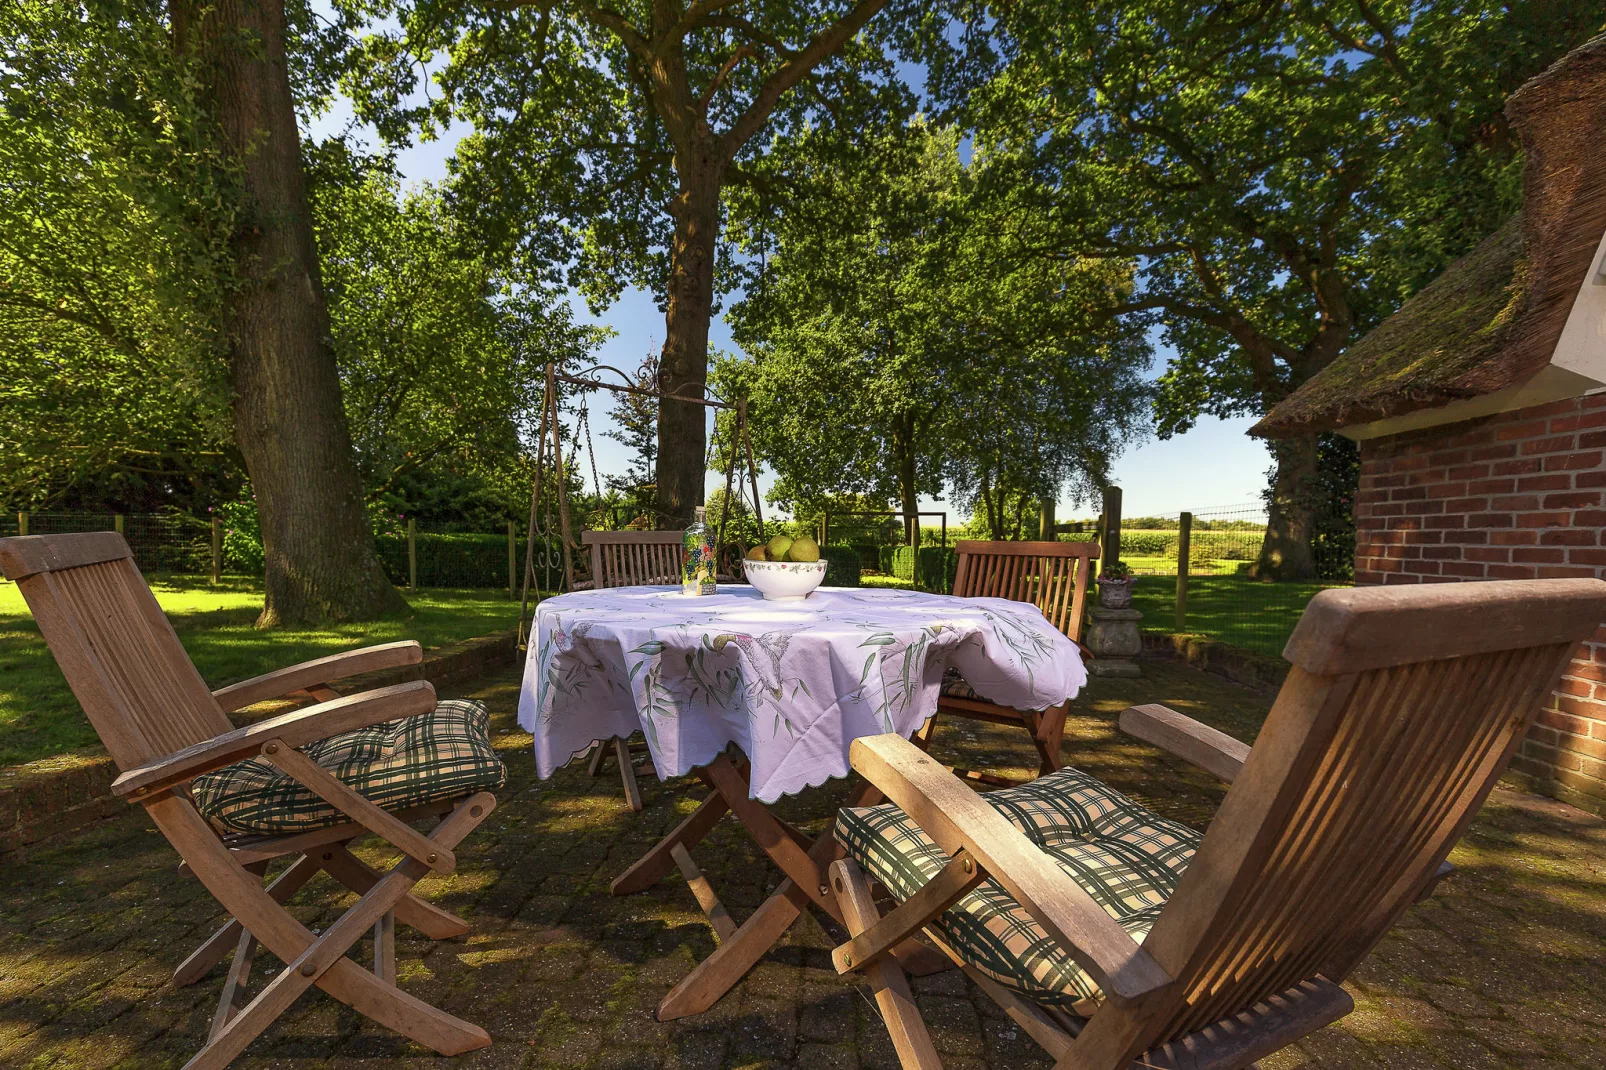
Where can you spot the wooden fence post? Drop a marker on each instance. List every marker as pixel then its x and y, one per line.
pixel 1045 522
pixel 1184 537
pixel 117 523
pixel 1112 526
pixel 22 523
pixel 412 554
pixel 217 549
pixel 512 554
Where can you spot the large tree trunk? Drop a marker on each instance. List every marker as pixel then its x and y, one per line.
pixel 683 427
pixel 1285 553
pixel 903 448
pixel 289 421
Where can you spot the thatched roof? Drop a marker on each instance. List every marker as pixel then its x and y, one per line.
pixel 1493 318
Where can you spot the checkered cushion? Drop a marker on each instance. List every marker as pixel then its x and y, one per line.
pixel 955 686
pixel 1125 857
pixel 431 757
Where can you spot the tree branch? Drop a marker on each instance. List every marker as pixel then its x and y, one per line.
pixel 791 72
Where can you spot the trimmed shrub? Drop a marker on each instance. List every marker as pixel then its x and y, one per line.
pixel 841 566
pixel 932 570
pixel 884 555
pixel 448 559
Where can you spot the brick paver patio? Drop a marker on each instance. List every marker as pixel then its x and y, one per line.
pixel 1504 967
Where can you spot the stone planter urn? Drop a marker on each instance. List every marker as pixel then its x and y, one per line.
pixel 1115 594
pixel 1112 632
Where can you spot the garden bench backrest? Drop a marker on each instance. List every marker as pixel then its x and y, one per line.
pixel 627 558
pixel 1052 576
pixel 114 645
pixel 1402 708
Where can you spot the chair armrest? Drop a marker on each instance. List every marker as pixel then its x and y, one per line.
pixel 318 671
pixel 296 728
pixel 957 818
pixel 1178 734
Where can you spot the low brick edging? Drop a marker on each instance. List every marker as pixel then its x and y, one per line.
pixel 67 791
pixel 1258 671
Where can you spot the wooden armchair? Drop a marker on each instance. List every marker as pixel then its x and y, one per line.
pixel 303 784
pixel 625 559
pixel 1053 576
pixel 1118 939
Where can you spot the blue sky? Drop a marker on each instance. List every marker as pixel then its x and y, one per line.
pixel 1215 464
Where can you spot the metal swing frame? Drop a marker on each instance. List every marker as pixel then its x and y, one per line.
pixel 549 447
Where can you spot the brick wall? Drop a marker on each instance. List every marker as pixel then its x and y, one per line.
pixel 1520 495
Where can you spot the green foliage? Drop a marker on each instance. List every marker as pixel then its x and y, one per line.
pixel 1365 148
pixel 929 568
pixel 114 252
pixel 242 536
pixel 884 314
pixel 583 135
pixel 841 566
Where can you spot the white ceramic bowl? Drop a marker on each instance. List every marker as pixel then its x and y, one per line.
pixel 784 581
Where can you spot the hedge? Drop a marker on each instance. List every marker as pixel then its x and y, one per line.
pixel 932 570
pixel 451 559
pixel 841 566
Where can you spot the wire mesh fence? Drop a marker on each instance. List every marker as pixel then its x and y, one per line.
pixel 178 544
pixel 1223 598
pixel 162 543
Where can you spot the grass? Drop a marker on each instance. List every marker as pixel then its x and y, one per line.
pixel 39 716
pixel 1231 609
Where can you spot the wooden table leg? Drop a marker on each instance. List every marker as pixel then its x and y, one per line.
pixel 655 865
pixel 805 883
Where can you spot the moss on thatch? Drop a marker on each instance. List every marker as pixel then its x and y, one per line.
pixel 1493 318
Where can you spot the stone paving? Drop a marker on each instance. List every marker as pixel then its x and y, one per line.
pixel 1504 967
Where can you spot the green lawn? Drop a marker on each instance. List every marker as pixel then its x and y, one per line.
pixel 1232 609
pixel 39 717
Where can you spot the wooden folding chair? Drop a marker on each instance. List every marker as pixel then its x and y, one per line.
pixel 1053 576
pixel 168 734
pixel 1120 940
pixel 626 559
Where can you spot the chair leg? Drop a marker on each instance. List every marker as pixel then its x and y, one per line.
pixel 887 980
pixel 217 945
pixel 233 997
pixel 385 948
pixel 427 918
pixel 317 960
pixel 627 773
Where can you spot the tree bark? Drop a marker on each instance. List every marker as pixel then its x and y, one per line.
pixel 683 427
pixel 1286 552
pixel 289 420
pixel 903 448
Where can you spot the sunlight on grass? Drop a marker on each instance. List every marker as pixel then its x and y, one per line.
pixel 217 625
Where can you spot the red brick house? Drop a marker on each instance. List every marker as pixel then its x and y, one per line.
pixel 1480 409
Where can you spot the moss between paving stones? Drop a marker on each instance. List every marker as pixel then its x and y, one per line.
pixel 1502 968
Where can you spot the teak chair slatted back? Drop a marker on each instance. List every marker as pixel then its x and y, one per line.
pixel 627 558
pixel 1053 576
pixel 118 651
pixel 1402 709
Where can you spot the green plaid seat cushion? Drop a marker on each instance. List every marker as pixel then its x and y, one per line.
pixel 1125 857
pixel 431 757
pixel 955 686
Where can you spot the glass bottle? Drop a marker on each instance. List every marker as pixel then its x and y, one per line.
pixel 697 557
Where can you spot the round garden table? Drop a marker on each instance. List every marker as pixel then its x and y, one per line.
pixel 791 684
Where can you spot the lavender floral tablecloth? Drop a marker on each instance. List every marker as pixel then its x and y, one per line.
pixel 791 683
